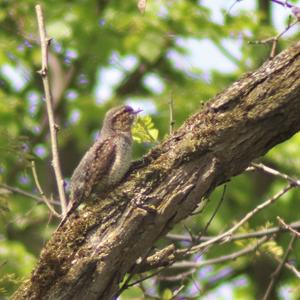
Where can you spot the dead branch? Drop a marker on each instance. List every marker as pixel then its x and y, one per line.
pixel 45 41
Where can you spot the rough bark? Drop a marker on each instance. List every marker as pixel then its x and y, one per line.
pixel 91 253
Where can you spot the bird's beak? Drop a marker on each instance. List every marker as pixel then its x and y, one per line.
pixel 137 111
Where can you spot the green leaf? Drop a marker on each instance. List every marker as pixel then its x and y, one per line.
pixel 273 248
pixel 167 294
pixel 144 131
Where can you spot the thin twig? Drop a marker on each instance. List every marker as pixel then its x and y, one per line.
pixel 289 266
pixel 293 269
pixel 276 173
pixel 277 272
pixel 189 231
pixel 132 273
pixel 274 40
pixel 285 3
pixel 196 265
pixel 177 291
pixel 38 186
pixel 217 260
pixel 232 5
pixel 227 234
pixel 171 114
pixel 288 227
pixel 178 277
pixel 27 194
pixel 45 41
pixel 215 211
pixel 221 259
pixel 141 280
pixel 239 236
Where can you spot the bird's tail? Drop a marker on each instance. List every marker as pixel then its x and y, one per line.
pixel 70 209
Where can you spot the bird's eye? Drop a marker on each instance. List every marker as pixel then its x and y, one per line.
pixel 129 109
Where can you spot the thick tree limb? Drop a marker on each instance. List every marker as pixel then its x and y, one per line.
pixel 89 256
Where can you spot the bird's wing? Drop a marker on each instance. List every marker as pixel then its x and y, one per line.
pixel 95 164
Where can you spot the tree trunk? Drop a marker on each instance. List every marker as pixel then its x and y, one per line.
pixel 91 253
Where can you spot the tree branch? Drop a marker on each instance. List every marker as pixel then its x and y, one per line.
pixel 38 186
pixel 88 256
pixel 239 236
pixel 227 234
pixel 26 193
pixel 221 259
pixel 288 227
pixel 224 237
pixel 276 273
pixel 53 127
pixel 276 173
pixel 169 260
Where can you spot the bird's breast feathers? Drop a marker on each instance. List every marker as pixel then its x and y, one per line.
pixel 122 160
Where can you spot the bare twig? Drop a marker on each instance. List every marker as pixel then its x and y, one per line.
pixel 177 291
pixel 215 211
pixel 192 237
pixel 240 236
pixel 285 3
pixel 221 259
pixel 274 40
pixel 53 127
pixel 227 234
pixel 232 5
pixel 45 199
pixel 177 277
pixel 141 280
pixel 276 173
pixel 170 262
pixel 27 194
pixel 288 227
pixel 196 265
pixel 276 273
pixel 133 271
pixel 195 240
pixel 282 3
pixel 171 115
pixel 289 266
pixel 293 269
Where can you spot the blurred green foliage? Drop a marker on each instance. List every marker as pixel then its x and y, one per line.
pixel 104 53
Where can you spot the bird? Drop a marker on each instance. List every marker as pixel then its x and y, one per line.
pixel 107 160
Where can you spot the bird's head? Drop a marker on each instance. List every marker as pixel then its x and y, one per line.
pixel 120 119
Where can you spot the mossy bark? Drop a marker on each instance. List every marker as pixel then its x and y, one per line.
pixel 91 253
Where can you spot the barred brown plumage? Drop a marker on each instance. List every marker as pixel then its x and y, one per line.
pixel 107 161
